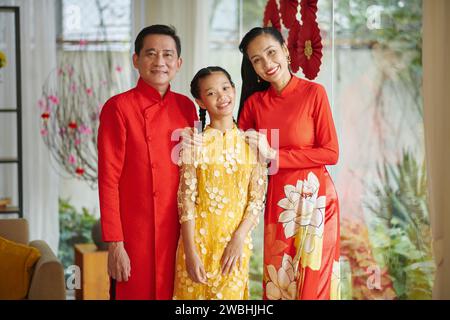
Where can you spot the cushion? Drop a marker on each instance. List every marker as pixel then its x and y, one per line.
pixel 16 269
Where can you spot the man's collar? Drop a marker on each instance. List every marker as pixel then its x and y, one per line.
pixel 149 92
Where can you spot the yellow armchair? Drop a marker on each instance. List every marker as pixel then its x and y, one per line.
pixel 47 280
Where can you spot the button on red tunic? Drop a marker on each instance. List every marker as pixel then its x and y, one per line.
pixel 301 225
pixel 138 183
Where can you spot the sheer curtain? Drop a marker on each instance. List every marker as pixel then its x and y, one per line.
pixel 190 18
pixel 38 55
pixel 436 79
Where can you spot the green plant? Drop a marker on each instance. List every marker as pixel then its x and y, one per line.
pixel 400 228
pixel 256 275
pixel 74 227
pixel 356 247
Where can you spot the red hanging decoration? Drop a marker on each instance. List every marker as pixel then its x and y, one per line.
pixel 272 15
pixel 292 46
pixel 45 115
pixel 309 48
pixel 79 171
pixel 288 10
pixel 304 41
pixel 308 10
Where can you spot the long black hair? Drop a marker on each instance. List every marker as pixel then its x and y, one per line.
pixel 251 83
pixel 195 86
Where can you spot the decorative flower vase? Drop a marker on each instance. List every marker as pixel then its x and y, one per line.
pixel 97 236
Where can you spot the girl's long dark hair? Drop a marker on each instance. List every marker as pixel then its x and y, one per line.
pixel 250 81
pixel 195 86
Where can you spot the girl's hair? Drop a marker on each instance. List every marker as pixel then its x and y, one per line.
pixel 250 81
pixel 195 86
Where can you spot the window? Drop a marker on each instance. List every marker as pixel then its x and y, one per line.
pixel 372 71
pixel 103 24
pixel 229 20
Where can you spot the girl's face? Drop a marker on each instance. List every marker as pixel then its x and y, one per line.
pixel 269 58
pixel 217 95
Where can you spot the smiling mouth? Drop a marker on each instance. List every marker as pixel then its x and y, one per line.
pixel 158 72
pixel 223 105
pixel 272 71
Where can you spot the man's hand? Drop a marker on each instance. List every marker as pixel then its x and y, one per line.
pixel 191 138
pixel 119 267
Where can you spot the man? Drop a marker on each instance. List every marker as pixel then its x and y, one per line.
pixel 138 181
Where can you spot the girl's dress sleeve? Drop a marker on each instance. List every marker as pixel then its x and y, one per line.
pixel 256 193
pixel 187 188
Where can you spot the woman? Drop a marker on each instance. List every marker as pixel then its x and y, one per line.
pixel 220 196
pixel 301 237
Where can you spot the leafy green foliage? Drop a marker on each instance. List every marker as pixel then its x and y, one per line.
pixel 400 228
pixel 256 275
pixel 74 227
pixel 357 261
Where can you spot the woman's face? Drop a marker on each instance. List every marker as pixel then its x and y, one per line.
pixel 269 59
pixel 217 95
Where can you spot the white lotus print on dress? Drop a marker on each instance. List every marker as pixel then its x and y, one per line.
pixel 282 283
pixel 302 208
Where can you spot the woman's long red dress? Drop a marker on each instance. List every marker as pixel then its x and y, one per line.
pixel 301 235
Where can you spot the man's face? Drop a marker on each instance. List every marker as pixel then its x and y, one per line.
pixel 158 60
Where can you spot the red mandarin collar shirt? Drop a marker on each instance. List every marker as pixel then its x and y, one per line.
pixel 138 182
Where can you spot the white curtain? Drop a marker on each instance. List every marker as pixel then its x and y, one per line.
pixel 190 18
pixel 38 57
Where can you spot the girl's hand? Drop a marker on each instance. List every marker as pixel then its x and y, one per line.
pixel 232 254
pixel 195 268
pixel 259 141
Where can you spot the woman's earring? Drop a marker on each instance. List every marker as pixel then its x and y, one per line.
pixel 258 80
pixel 289 59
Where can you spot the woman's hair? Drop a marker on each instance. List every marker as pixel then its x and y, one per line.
pixel 250 81
pixel 195 86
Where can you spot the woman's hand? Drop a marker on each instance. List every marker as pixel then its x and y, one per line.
pixel 259 141
pixel 232 254
pixel 194 267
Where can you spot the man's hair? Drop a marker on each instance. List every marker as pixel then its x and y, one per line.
pixel 157 29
